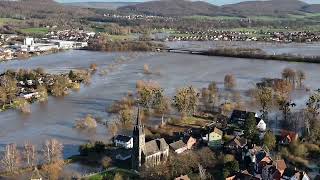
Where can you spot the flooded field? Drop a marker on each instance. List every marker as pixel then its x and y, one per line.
pixel 303 49
pixel 56 118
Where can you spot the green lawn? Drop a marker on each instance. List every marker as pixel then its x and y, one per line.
pixel 34 30
pixel 110 174
pixel 197 17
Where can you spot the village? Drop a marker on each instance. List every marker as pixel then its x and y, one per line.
pixel 14 46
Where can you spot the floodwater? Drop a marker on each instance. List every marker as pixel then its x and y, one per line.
pixel 303 49
pixel 56 118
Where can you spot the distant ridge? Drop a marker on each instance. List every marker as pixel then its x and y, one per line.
pixel 247 8
pixel 173 8
pixel 100 5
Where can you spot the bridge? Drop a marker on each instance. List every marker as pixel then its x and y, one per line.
pixel 184 50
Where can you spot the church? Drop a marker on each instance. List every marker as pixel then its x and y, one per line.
pixel 147 153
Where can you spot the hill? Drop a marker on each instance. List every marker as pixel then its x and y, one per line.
pixel 265 8
pixel 100 5
pixel 312 8
pixel 38 9
pixel 173 8
pixel 243 9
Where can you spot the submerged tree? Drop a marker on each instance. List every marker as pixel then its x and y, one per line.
pixel 185 100
pixel 229 81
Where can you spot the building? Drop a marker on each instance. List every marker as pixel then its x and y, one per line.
pixel 236 144
pixel 178 146
pixel 36 175
pixel 274 171
pixel 123 141
pixel 182 177
pixel 239 117
pixel 149 153
pixel 287 137
pixel 292 174
pixel 214 138
pixel 261 125
pixel 28 41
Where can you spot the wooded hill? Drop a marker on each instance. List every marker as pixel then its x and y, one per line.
pixel 249 8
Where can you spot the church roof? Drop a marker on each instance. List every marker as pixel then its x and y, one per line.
pixel 155 146
pixel 177 145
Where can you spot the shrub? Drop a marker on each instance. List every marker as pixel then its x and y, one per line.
pixel 87 123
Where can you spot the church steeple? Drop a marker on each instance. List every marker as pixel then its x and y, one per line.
pixel 138 143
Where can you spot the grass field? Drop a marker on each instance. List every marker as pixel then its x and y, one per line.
pixel 34 30
pixel 110 174
pixel 6 20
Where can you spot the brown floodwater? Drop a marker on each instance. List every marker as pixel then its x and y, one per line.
pixel 56 118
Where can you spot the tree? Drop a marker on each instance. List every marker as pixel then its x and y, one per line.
pixel 264 96
pixel 3 97
pixel 22 104
pixel 289 75
pixel 118 176
pixel 60 86
pixel 52 151
pixel 126 116
pixel 229 81
pixel 285 107
pixel 106 162
pixel 250 127
pixel 29 154
pixel 10 87
pixel 230 168
pixel 113 128
pixel 213 92
pixel 43 93
pixel 87 123
pixel 185 100
pixel 203 173
pixel 301 77
pixel 10 161
pixel 269 140
pixel 282 89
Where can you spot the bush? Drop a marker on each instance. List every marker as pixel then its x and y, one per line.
pixel 87 123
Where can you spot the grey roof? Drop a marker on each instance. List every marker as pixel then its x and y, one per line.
pixel 123 138
pixel 177 145
pixel 154 146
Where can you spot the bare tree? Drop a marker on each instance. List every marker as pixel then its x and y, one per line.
pixel 11 158
pixel 29 154
pixel 113 128
pixel 289 75
pixel 229 81
pixel 52 151
pixel 301 77
pixel 203 172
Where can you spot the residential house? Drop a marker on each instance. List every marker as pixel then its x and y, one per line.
pixel 239 117
pixel 123 141
pixel 214 138
pixel 292 174
pixel 183 177
pixel 236 144
pixel 261 160
pixel 123 155
pixel 261 125
pixel 274 171
pixel 178 146
pixel 36 175
pixel 287 137
pixel 244 175
pixel 190 141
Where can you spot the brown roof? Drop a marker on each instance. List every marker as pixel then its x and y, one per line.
pixel 154 146
pixel 218 131
pixel 280 165
pixel 239 141
pixel 177 145
pixel 185 177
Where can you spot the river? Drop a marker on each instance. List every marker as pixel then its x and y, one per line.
pixel 56 118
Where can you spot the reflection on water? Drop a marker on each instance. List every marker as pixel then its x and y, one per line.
pixel 56 118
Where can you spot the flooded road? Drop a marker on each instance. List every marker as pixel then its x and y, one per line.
pixel 56 118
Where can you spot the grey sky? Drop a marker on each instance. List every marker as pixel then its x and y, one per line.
pixel 218 2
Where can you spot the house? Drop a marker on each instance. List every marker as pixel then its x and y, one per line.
pixel 261 160
pixel 287 137
pixel 123 141
pixel 244 175
pixel 124 155
pixel 261 125
pixel 36 175
pixel 239 117
pixel 292 174
pixel 214 138
pixel 274 171
pixel 190 141
pixel 183 177
pixel 178 146
pixel 236 144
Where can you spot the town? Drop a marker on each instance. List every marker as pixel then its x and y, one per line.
pixel 13 46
